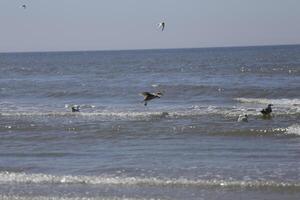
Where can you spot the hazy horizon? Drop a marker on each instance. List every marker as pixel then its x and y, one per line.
pixel 67 25
pixel 150 49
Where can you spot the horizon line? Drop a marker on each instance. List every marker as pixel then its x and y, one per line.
pixel 147 49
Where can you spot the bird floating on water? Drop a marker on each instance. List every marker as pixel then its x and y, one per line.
pixel 24 6
pixel 75 108
pixel 161 26
pixel 267 111
pixel 149 96
pixel 243 118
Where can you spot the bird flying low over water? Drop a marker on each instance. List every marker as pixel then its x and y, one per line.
pixel 149 96
pixel 267 111
pixel 161 25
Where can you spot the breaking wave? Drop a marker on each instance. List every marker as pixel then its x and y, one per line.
pixel 293 130
pixel 193 111
pixel 5 197
pixel 277 102
pixel 23 178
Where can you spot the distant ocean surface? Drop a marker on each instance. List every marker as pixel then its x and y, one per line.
pixel 185 145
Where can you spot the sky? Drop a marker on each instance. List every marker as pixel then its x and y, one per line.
pixel 72 25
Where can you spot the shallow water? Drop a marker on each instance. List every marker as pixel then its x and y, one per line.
pixel 186 145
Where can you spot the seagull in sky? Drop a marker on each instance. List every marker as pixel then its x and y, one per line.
pixel 161 25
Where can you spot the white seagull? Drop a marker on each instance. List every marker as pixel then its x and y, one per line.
pixel 243 118
pixel 161 25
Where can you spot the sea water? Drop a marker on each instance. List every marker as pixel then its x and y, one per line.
pixel 185 145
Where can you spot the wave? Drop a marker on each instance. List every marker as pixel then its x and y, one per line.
pixel 105 114
pixel 14 197
pixel 282 107
pixel 23 178
pixel 293 130
pixel 194 111
pixel 276 102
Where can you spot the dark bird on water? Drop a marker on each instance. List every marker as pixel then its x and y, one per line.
pixel 24 6
pixel 267 111
pixel 75 108
pixel 149 96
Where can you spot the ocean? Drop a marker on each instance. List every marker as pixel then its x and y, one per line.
pixel 187 144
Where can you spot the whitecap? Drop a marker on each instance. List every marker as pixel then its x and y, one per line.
pixel 281 102
pixel 293 130
pixel 23 178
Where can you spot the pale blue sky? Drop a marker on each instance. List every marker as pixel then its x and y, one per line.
pixel 58 25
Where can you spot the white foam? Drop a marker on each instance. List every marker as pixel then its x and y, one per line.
pixel 112 114
pixel 15 197
pixel 293 130
pixel 81 106
pixel 23 178
pixel 155 85
pixel 276 102
pixel 165 112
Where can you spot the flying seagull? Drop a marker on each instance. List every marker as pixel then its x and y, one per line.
pixel 161 26
pixel 149 96
pixel 267 111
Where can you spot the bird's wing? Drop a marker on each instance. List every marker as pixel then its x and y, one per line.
pixel 263 111
pixel 161 25
pixel 145 94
